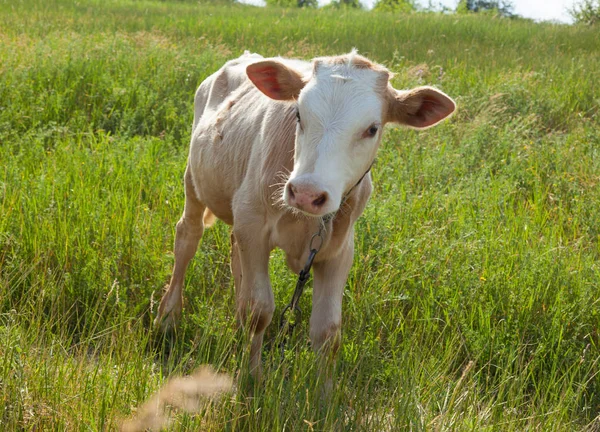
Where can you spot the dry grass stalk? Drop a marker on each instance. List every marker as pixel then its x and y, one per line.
pixel 187 393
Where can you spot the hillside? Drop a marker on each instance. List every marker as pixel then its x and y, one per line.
pixel 474 300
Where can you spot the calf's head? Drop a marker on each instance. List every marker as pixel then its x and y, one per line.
pixel 341 109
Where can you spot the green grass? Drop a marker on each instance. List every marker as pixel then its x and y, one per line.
pixel 474 301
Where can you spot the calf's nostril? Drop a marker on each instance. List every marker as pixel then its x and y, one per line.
pixel 320 200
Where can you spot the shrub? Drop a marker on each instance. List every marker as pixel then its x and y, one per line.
pixel 394 6
pixel 586 12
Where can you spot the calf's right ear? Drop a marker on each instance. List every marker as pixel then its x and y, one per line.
pixel 275 79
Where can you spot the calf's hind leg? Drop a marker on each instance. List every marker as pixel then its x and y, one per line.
pixel 188 234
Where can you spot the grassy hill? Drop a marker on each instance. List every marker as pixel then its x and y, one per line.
pixel 474 300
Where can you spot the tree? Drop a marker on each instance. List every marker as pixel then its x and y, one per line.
pixel 293 3
pixel 501 7
pixel 339 4
pixel 586 12
pixel 394 6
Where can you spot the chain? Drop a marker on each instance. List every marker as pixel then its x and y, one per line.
pixel 287 325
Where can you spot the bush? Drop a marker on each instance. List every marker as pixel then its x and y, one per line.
pixel 404 6
pixel 341 4
pixel 586 12
pixel 502 8
pixel 293 3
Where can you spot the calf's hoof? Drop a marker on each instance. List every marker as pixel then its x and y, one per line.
pixel 166 323
pixel 169 312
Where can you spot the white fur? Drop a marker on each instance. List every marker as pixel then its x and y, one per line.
pixel 336 107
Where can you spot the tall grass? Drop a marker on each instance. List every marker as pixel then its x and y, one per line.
pixel 474 300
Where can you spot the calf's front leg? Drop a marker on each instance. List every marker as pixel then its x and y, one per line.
pixel 255 303
pixel 326 318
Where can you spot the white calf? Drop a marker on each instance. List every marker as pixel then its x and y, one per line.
pixel 279 148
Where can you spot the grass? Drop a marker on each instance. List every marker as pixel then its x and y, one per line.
pixel 473 303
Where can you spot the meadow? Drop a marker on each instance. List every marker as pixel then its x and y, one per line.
pixel 474 299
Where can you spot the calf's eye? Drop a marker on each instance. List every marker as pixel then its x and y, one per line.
pixel 371 132
pixel 298 119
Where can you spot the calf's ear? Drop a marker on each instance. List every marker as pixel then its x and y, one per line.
pixel 419 108
pixel 275 79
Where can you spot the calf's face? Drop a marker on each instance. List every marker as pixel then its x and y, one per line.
pixel 341 111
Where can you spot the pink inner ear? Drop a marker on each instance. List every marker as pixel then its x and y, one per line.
pixel 420 108
pixel 270 81
pixel 431 111
pixel 265 79
pixel 275 80
pixel 428 104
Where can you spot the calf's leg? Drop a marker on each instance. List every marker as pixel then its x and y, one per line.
pixel 236 266
pixel 188 234
pixel 326 318
pixel 255 303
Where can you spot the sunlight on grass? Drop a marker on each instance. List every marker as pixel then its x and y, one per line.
pixel 473 303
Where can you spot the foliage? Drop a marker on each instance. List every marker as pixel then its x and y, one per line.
pixel 473 300
pixel 436 6
pixel 344 4
pixel 402 6
pixel 499 7
pixel 293 3
pixel 586 12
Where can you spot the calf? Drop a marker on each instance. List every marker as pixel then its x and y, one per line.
pixel 279 149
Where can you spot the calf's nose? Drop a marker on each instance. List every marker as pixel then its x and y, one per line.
pixel 307 198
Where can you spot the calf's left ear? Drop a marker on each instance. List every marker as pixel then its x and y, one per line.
pixel 420 108
pixel 275 79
